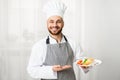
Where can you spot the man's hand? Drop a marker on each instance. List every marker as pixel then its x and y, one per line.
pixel 84 67
pixel 66 67
pixel 60 68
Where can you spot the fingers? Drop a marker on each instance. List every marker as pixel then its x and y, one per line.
pixel 57 68
pixel 66 66
pixel 84 67
pixel 60 68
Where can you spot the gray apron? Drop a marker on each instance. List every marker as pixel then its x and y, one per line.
pixel 60 54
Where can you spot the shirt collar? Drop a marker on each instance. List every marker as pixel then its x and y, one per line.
pixel 53 41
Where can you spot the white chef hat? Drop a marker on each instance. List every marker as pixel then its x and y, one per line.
pixel 54 7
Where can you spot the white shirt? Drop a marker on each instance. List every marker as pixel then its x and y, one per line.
pixel 36 68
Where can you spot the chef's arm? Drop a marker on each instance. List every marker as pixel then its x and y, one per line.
pixel 35 67
pixel 44 72
pixel 78 53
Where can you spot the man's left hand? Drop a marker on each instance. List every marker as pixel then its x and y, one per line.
pixel 66 67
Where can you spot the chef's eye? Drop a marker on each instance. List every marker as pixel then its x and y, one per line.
pixel 59 21
pixel 51 21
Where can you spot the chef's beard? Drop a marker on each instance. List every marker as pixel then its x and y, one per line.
pixel 55 33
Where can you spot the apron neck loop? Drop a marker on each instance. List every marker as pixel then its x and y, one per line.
pixel 48 39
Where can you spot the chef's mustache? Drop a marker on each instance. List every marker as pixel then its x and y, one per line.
pixel 55 27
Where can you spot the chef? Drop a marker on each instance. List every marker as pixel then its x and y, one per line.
pixel 52 58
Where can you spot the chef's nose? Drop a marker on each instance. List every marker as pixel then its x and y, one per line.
pixel 54 24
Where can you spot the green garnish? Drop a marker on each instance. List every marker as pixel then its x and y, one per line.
pixel 85 61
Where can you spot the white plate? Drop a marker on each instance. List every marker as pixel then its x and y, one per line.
pixel 87 68
pixel 96 62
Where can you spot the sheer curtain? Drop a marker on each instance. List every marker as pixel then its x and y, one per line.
pixel 22 23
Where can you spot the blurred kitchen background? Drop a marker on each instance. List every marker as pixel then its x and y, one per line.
pixel 95 24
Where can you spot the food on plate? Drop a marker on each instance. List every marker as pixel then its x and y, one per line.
pixel 86 61
pixel 80 62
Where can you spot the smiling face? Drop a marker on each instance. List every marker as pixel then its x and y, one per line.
pixel 55 25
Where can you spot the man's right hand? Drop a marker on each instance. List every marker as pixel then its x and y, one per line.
pixel 60 68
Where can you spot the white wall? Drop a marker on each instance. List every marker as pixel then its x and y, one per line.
pixel 94 23
pixel 101 37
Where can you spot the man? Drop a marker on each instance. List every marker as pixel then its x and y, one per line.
pixel 52 58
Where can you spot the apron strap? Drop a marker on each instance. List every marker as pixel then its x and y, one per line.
pixel 48 39
pixel 65 39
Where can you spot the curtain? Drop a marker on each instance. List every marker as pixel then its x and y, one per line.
pixel 22 23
